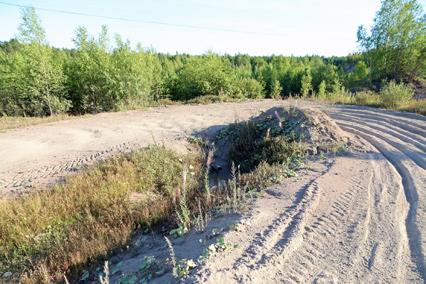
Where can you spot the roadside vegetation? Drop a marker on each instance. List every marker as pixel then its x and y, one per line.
pixel 10 122
pixel 100 75
pixel 44 234
pixel 392 96
pixel 265 152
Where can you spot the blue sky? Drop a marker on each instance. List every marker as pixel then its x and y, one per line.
pixel 322 27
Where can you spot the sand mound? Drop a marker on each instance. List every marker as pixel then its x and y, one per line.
pixel 311 127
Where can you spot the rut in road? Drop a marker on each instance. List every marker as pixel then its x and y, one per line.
pixel 342 230
pixel 408 157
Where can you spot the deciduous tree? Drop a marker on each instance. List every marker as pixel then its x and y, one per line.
pixel 396 44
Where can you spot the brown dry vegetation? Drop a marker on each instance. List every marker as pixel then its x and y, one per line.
pixel 10 122
pixel 394 97
pixel 47 233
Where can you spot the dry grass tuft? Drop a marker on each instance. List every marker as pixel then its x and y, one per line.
pixel 417 106
pixel 393 96
pixel 48 233
pixel 10 122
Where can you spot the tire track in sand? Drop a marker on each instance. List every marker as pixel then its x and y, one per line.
pixel 411 172
pixel 364 225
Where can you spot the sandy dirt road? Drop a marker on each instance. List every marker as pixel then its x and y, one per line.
pixel 355 219
pixel 358 219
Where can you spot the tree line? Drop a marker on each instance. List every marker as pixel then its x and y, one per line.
pixel 101 74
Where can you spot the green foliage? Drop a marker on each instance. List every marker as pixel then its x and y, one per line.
pixel 99 80
pixel 276 90
pixel 97 75
pixel 360 76
pixel 90 73
pixel 250 88
pixel 306 83
pixel 418 106
pixel 366 98
pixel 184 266
pixel 31 77
pixel 30 30
pixel 327 72
pixel 151 268
pixel 32 82
pixel 259 141
pixel 395 45
pixel 394 95
pixel 322 90
pixel 204 76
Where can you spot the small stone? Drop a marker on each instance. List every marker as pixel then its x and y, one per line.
pixel 191 264
pixel 212 248
pixel 7 274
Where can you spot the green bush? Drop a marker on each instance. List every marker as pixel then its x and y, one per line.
pixel 32 82
pixel 393 95
pixel 276 90
pixel 254 142
pixel 251 88
pixel 322 91
pixel 366 98
pixel 135 78
pixel 31 76
pixel 99 80
pixel 212 76
pixel 203 76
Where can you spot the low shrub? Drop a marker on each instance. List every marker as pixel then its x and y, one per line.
pixel 251 88
pixel 265 175
pixel 203 76
pixel 340 96
pixel 212 99
pixel 394 95
pixel 366 98
pixel 254 142
pixel 417 106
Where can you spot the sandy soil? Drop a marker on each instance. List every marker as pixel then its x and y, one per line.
pixel 44 153
pixel 345 223
pixel 359 218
